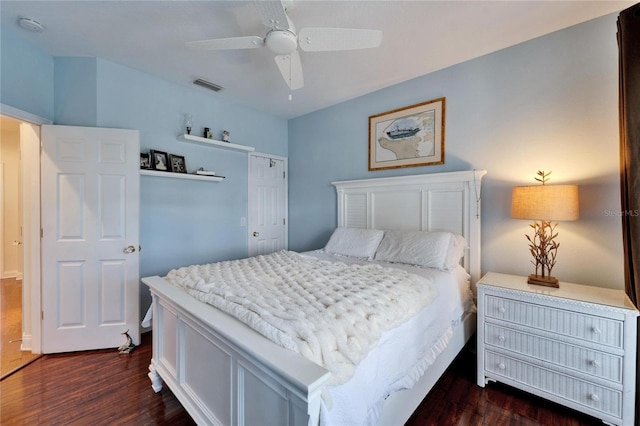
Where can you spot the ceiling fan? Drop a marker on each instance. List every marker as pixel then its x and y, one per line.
pixel 282 39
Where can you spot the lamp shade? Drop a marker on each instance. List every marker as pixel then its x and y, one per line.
pixel 545 202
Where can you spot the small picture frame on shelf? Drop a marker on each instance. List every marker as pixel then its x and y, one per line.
pixel 177 163
pixel 159 160
pixel 144 160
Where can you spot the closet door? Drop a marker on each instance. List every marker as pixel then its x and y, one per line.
pixel 267 204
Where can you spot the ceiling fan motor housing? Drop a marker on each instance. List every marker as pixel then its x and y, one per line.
pixel 282 39
pixel 282 42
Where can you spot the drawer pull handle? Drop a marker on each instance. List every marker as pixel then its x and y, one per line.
pixel 502 310
pixel 595 330
pixel 594 397
pixel 502 338
pixel 501 366
pixel 594 363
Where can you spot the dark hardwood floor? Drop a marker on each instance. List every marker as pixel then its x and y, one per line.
pixel 105 388
pixel 457 400
pixel 88 388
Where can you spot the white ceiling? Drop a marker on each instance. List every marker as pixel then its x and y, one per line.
pixel 418 37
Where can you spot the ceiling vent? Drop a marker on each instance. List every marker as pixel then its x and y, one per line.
pixel 208 85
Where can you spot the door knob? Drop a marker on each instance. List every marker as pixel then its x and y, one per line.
pixel 256 234
pixel 129 250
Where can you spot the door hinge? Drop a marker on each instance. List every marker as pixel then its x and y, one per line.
pixel 41 233
pixel 284 221
pixel 42 315
pixel 284 175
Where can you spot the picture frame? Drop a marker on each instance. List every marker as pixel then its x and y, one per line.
pixel 177 164
pixel 408 137
pixel 144 160
pixel 159 160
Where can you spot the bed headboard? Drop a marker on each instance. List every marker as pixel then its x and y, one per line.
pixel 429 202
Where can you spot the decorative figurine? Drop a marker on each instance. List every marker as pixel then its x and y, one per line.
pixel 207 133
pixel 127 346
pixel 188 122
pixel 226 136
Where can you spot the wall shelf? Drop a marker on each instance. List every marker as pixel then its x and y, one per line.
pixel 172 175
pixel 216 143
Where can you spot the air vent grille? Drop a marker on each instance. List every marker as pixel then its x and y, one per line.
pixel 208 85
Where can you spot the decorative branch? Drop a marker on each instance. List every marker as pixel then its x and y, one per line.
pixel 543 247
pixel 544 177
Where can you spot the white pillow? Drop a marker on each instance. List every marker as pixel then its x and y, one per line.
pixel 439 249
pixel 455 252
pixel 354 242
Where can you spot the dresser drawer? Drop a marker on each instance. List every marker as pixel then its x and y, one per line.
pixel 589 361
pixel 558 385
pixel 594 329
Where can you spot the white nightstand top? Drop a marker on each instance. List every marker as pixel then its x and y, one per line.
pixel 579 292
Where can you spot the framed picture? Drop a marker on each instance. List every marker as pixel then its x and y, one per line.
pixel 144 160
pixel 177 163
pixel 159 160
pixel 407 137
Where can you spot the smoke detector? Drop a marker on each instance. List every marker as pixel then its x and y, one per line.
pixel 30 25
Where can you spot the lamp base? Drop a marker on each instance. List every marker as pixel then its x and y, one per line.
pixel 545 281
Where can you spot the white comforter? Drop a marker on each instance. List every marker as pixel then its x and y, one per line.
pixel 330 312
pixel 403 353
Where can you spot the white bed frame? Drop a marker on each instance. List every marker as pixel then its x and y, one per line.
pixel 225 373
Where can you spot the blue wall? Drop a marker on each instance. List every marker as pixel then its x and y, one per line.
pixel 547 104
pixel 26 76
pixel 181 221
pixel 550 103
pixel 186 222
pixel 76 91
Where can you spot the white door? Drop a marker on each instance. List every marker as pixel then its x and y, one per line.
pixel 90 207
pixel 267 204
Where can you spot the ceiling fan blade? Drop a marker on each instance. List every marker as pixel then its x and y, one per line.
pixel 249 42
pixel 272 14
pixel 291 69
pixel 324 39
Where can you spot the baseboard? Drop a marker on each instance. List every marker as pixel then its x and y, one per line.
pixel 11 274
pixel 27 341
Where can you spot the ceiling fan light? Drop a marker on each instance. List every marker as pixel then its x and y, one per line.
pixel 281 42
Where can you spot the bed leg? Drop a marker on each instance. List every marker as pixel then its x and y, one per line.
pixel 314 413
pixel 156 380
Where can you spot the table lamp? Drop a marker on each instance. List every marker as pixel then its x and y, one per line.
pixel 544 203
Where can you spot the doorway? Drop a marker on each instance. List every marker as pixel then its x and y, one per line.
pixel 32 227
pixel 14 355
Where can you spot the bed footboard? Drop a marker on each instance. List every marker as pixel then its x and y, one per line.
pixel 223 372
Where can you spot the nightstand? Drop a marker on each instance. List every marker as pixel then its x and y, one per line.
pixel 574 345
